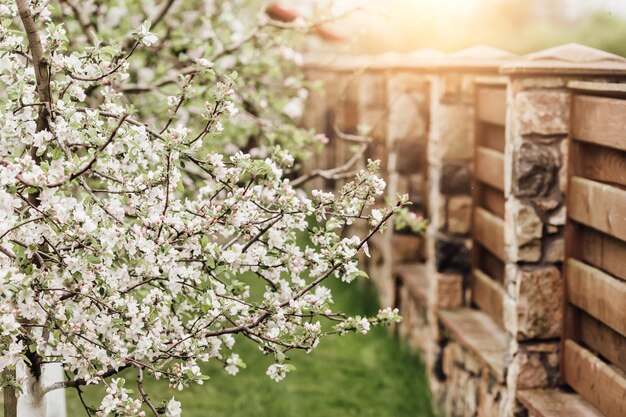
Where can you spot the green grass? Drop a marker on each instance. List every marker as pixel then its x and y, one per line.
pixel 354 375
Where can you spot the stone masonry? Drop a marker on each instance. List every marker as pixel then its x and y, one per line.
pixel 420 108
pixel 535 171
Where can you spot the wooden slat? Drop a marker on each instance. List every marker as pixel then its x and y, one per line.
pixel 488 295
pixel 491 105
pixel 556 403
pixel 603 340
pixel 490 136
pixel 492 200
pixel 599 294
pixel 414 276
pixel 490 265
pixel 600 164
pixel 600 206
pixel 602 251
pixel 478 333
pixel 601 385
pixel 488 229
pixel 489 167
pixel 599 120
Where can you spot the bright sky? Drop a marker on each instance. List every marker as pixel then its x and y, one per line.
pixel 577 7
pixel 572 8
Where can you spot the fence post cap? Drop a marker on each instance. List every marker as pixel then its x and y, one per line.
pixel 568 59
pixel 336 61
pixel 424 58
pixel 479 58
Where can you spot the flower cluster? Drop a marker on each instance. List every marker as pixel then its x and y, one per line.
pixel 136 229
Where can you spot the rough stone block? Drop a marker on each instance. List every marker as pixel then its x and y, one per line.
pixel 535 168
pixel 407 248
pixel 535 311
pixel 409 156
pixel 554 250
pixel 455 179
pixel 535 365
pixel 449 290
pixel 490 397
pixel 544 112
pixel 452 132
pixel 407 117
pixel 452 254
pixel 558 217
pixel 522 232
pixel 459 214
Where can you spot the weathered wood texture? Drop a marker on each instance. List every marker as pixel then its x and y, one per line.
pixel 491 105
pixel 478 333
pixel 600 384
pixel 490 136
pixel 490 265
pixel 414 276
pixel 488 295
pixel 598 293
pixel 602 339
pixel 594 351
pixel 556 403
pixel 600 164
pixel 603 252
pixel 488 230
pixel 599 120
pixel 488 255
pixel 598 205
pixel 489 167
pixel 491 199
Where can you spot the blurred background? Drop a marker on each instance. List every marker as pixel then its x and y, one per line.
pixel 520 26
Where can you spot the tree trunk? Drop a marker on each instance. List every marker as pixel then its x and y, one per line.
pixel 10 400
pixel 33 402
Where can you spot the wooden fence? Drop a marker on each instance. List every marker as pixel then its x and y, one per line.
pixel 488 255
pixel 594 342
pixel 517 297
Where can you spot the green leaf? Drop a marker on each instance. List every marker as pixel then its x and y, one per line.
pixel 92 259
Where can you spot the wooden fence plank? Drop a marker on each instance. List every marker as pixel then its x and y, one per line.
pixel 599 120
pixel 598 205
pixel 603 252
pixel 489 167
pixel 490 136
pixel 488 229
pixel 490 265
pixel 491 105
pixel 491 199
pixel 603 340
pixel 600 164
pixel 488 295
pixel 599 294
pixel 596 381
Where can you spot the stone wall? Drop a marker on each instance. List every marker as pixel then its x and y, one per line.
pixel 485 339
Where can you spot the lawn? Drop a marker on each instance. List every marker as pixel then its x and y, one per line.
pixel 354 375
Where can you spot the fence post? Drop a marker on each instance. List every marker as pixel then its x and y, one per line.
pixel 535 212
pixel 450 153
pixel 408 92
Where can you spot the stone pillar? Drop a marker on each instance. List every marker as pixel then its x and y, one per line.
pixel 535 178
pixel 450 152
pixel 331 109
pixel 394 105
pixel 373 112
pixel 408 101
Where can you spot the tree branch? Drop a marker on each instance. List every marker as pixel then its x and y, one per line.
pixel 41 66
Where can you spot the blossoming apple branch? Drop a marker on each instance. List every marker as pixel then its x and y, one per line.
pixel 132 234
